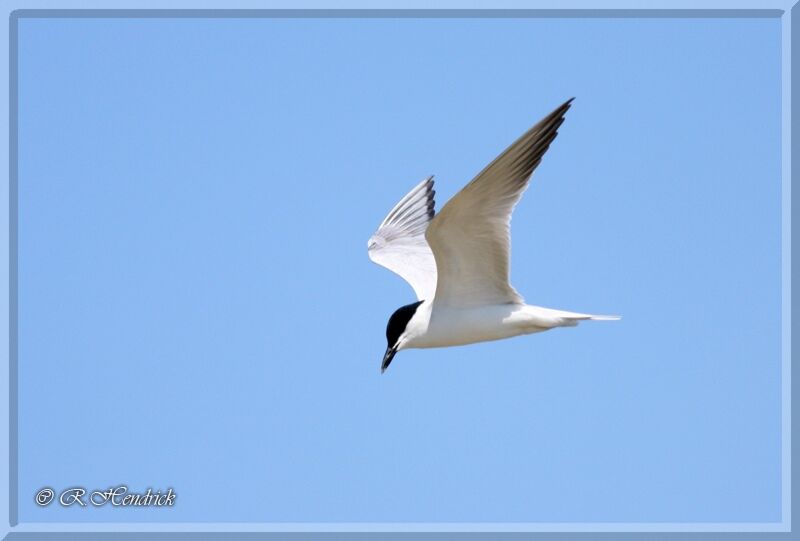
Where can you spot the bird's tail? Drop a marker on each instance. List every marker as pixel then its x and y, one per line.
pixel 570 319
pixel 605 318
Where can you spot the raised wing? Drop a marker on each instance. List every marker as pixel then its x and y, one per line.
pixel 399 243
pixel 470 237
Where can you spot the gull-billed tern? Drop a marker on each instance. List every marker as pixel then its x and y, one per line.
pixel 457 260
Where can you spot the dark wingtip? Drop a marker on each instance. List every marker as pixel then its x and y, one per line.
pixel 552 121
pixel 561 109
pixel 431 199
pixel 564 106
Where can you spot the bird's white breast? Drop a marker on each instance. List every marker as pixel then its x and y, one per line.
pixel 440 326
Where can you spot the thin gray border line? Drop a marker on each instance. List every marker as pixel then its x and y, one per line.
pixel 481 13
pixel 787 44
pixel 405 527
pixel 418 527
pixel 13 369
pixel 790 47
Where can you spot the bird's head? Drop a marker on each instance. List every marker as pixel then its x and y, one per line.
pixel 396 335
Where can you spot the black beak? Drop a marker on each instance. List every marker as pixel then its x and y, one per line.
pixel 387 358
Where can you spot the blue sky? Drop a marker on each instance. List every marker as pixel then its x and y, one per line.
pixel 197 309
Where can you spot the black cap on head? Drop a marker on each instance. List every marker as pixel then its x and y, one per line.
pixel 396 327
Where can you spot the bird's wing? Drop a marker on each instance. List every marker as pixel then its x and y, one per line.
pixel 399 243
pixel 470 237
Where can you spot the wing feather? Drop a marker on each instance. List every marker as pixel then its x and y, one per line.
pixel 399 243
pixel 470 237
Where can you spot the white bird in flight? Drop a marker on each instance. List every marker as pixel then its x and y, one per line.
pixel 457 260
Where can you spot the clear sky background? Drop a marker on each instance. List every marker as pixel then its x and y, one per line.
pixel 197 309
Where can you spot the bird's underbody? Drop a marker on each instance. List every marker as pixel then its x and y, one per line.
pixel 457 260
